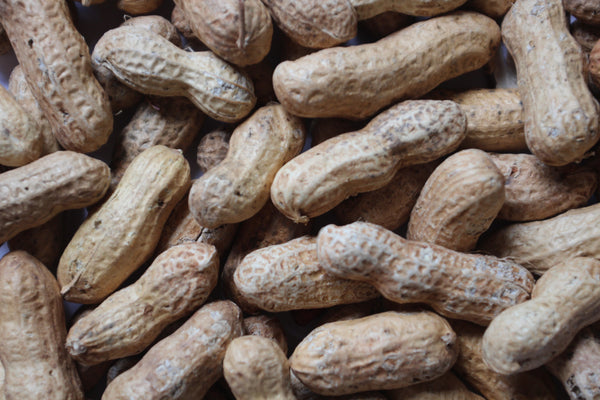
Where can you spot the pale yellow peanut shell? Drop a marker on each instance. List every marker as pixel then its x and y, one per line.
pixel 446 387
pixel 32 333
pixel 564 300
pixel 149 63
pixel 212 149
pixel 45 242
pixel 585 10
pixel 268 327
pixel 561 115
pixel 138 6
pixel 418 8
pixel 238 187
pixel 184 365
pixel 457 285
pixel 56 62
pixel 384 351
pixel 355 82
pixel 288 276
pixel 491 8
pixel 176 284
pixel 116 239
pixel 412 132
pixel 33 194
pixel 586 35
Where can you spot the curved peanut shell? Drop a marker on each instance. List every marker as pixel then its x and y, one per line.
pixel 384 351
pixel 413 132
pixel 115 240
pixel 212 149
pixel 459 202
pixel 31 195
pixel 457 285
pixel 561 115
pixel 585 10
pixel 184 365
pixel 32 333
pixel 491 8
pixel 418 8
pixel 57 66
pixel 177 283
pixel 355 82
pixel 238 187
pixel 157 24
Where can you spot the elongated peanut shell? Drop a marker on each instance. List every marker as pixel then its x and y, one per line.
pixel 149 63
pixel 457 285
pixel 561 115
pixel 31 195
pixel 413 132
pixel 357 81
pixel 116 239
pixel 418 8
pixel 585 10
pixel 56 62
pixel 32 333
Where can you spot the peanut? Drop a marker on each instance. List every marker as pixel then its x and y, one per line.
pixel 180 21
pixel 418 8
pixel 446 387
pixel 585 10
pixel 212 149
pixel 594 65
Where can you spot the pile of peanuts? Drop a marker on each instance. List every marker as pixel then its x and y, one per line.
pixel 436 244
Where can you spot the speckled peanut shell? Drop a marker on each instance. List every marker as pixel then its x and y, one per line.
pixel 32 333
pixel 136 7
pixel 116 239
pixel 577 367
pixel 149 63
pixel 238 31
pixel 418 8
pixel 491 8
pixel 446 387
pixel 288 276
pixel 45 242
pixel 384 351
pixel 564 300
pixel 540 245
pixel 585 35
pixel 177 283
pixel 536 191
pixel 35 193
pixel 256 368
pixel 19 88
pixel 238 187
pixel 459 201
pixel 561 115
pixel 56 62
pixel 184 365
pixel 268 327
pixel 355 82
pixel 412 132
pixel 472 287
pixel 212 149
pixel 585 10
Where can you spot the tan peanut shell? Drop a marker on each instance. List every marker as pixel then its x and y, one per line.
pixel 412 132
pixel 116 239
pixel 157 24
pixel 536 191
pixel 212 149
pixel 355 82
pixel 268 327
pixel 384 351
pixel 315 24
pixel 491 8
pixel 540 245
pixel 176 284
pixel 56 62
pixel 239 32
pixel 288 276
pixel 184 365
pixel 45 242
pixel 33 194
pixel 564 300
pixel 136 7
pixel 149 63
pixel 418 8
pixel 457 285
pixel 459 201
pixel 32 333
pixel 238 187
pixel 256 368
pixel 561 115
pixel 585 10
pixel 586 35
pixel 446 387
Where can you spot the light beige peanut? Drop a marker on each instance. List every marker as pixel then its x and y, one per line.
pixel 136 7
pixel 56 62
pixel 585 35
pixel 357 81
pixel 212 149
pixel 115 240
pixel 256 368
pixel 156 24
pixel 239 32
pixel 238 187
pixel 459 201
pixel 412 132
pixel 446 387
pixel 32 333
pixel 491 8
pixel 185 364
pixel 149 63
pixel 585 10
pixel 561 115
pixel 564 300
pixel 457 285
pixel 268 327
pixel 177 283
pixel 45 242
pixel 419 8
pixel 288 276
pixel 384 351
pixel 536 191
pixel 33 194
